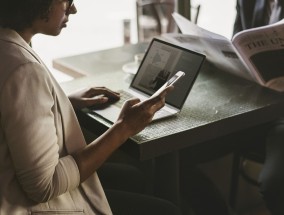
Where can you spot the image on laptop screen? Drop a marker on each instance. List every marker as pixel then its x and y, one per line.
pixel 160 63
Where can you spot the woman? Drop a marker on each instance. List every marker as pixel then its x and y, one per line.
pixel 45 164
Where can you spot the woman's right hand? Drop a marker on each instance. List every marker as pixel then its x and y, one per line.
pixel 136 115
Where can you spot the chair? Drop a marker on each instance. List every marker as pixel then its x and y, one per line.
pixel 154 17
pixel 254 152
pixel 194 13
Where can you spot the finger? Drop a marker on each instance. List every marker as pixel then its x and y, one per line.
pixel 102 91
pixel 105 90
pixel 167 90
pixel 160 96
pixel 157 102
pixel 131 102
pixel 96 101
pixel 154 104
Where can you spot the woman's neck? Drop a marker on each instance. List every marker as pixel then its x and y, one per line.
pixel 26 35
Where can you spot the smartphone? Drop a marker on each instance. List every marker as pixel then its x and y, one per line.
pixel 170 82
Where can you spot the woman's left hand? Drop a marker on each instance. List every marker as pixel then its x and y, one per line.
pixel 95 96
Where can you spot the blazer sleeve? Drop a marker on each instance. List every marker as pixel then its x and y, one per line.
pixel 29 123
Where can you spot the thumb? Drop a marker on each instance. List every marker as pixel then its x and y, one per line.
pixel 131 102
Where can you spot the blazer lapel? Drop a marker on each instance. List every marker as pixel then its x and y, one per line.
pixel 72 133
pixel 73 136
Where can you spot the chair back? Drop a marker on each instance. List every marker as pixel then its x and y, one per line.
pixel 154 17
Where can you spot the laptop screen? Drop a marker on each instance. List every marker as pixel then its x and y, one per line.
pixel 162 60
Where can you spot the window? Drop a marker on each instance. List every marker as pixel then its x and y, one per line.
pixel 217 15
pixel 99 25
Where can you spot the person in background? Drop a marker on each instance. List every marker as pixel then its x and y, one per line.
pixel 46 167
pixel 250 14
pixel 256 13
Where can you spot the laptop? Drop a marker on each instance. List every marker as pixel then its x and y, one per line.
pixel 161 61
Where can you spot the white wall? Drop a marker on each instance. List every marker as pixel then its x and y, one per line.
pixel 96 26
pixel 217 15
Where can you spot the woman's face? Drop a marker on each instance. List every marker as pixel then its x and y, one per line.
pixel 57 18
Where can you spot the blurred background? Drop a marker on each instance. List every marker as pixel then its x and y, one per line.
pixel 99 25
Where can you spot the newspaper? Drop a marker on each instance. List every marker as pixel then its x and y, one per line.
pixel 256 54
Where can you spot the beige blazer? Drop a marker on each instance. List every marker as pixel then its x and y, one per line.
pixel 38 132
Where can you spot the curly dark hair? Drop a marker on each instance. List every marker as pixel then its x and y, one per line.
pixel 20 14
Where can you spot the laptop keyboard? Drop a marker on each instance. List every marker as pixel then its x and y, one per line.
pixel 126 95
pixel 123 97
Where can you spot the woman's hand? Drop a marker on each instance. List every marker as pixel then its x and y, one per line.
pixel 95 96
pixel 136 115
pixel 133 118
